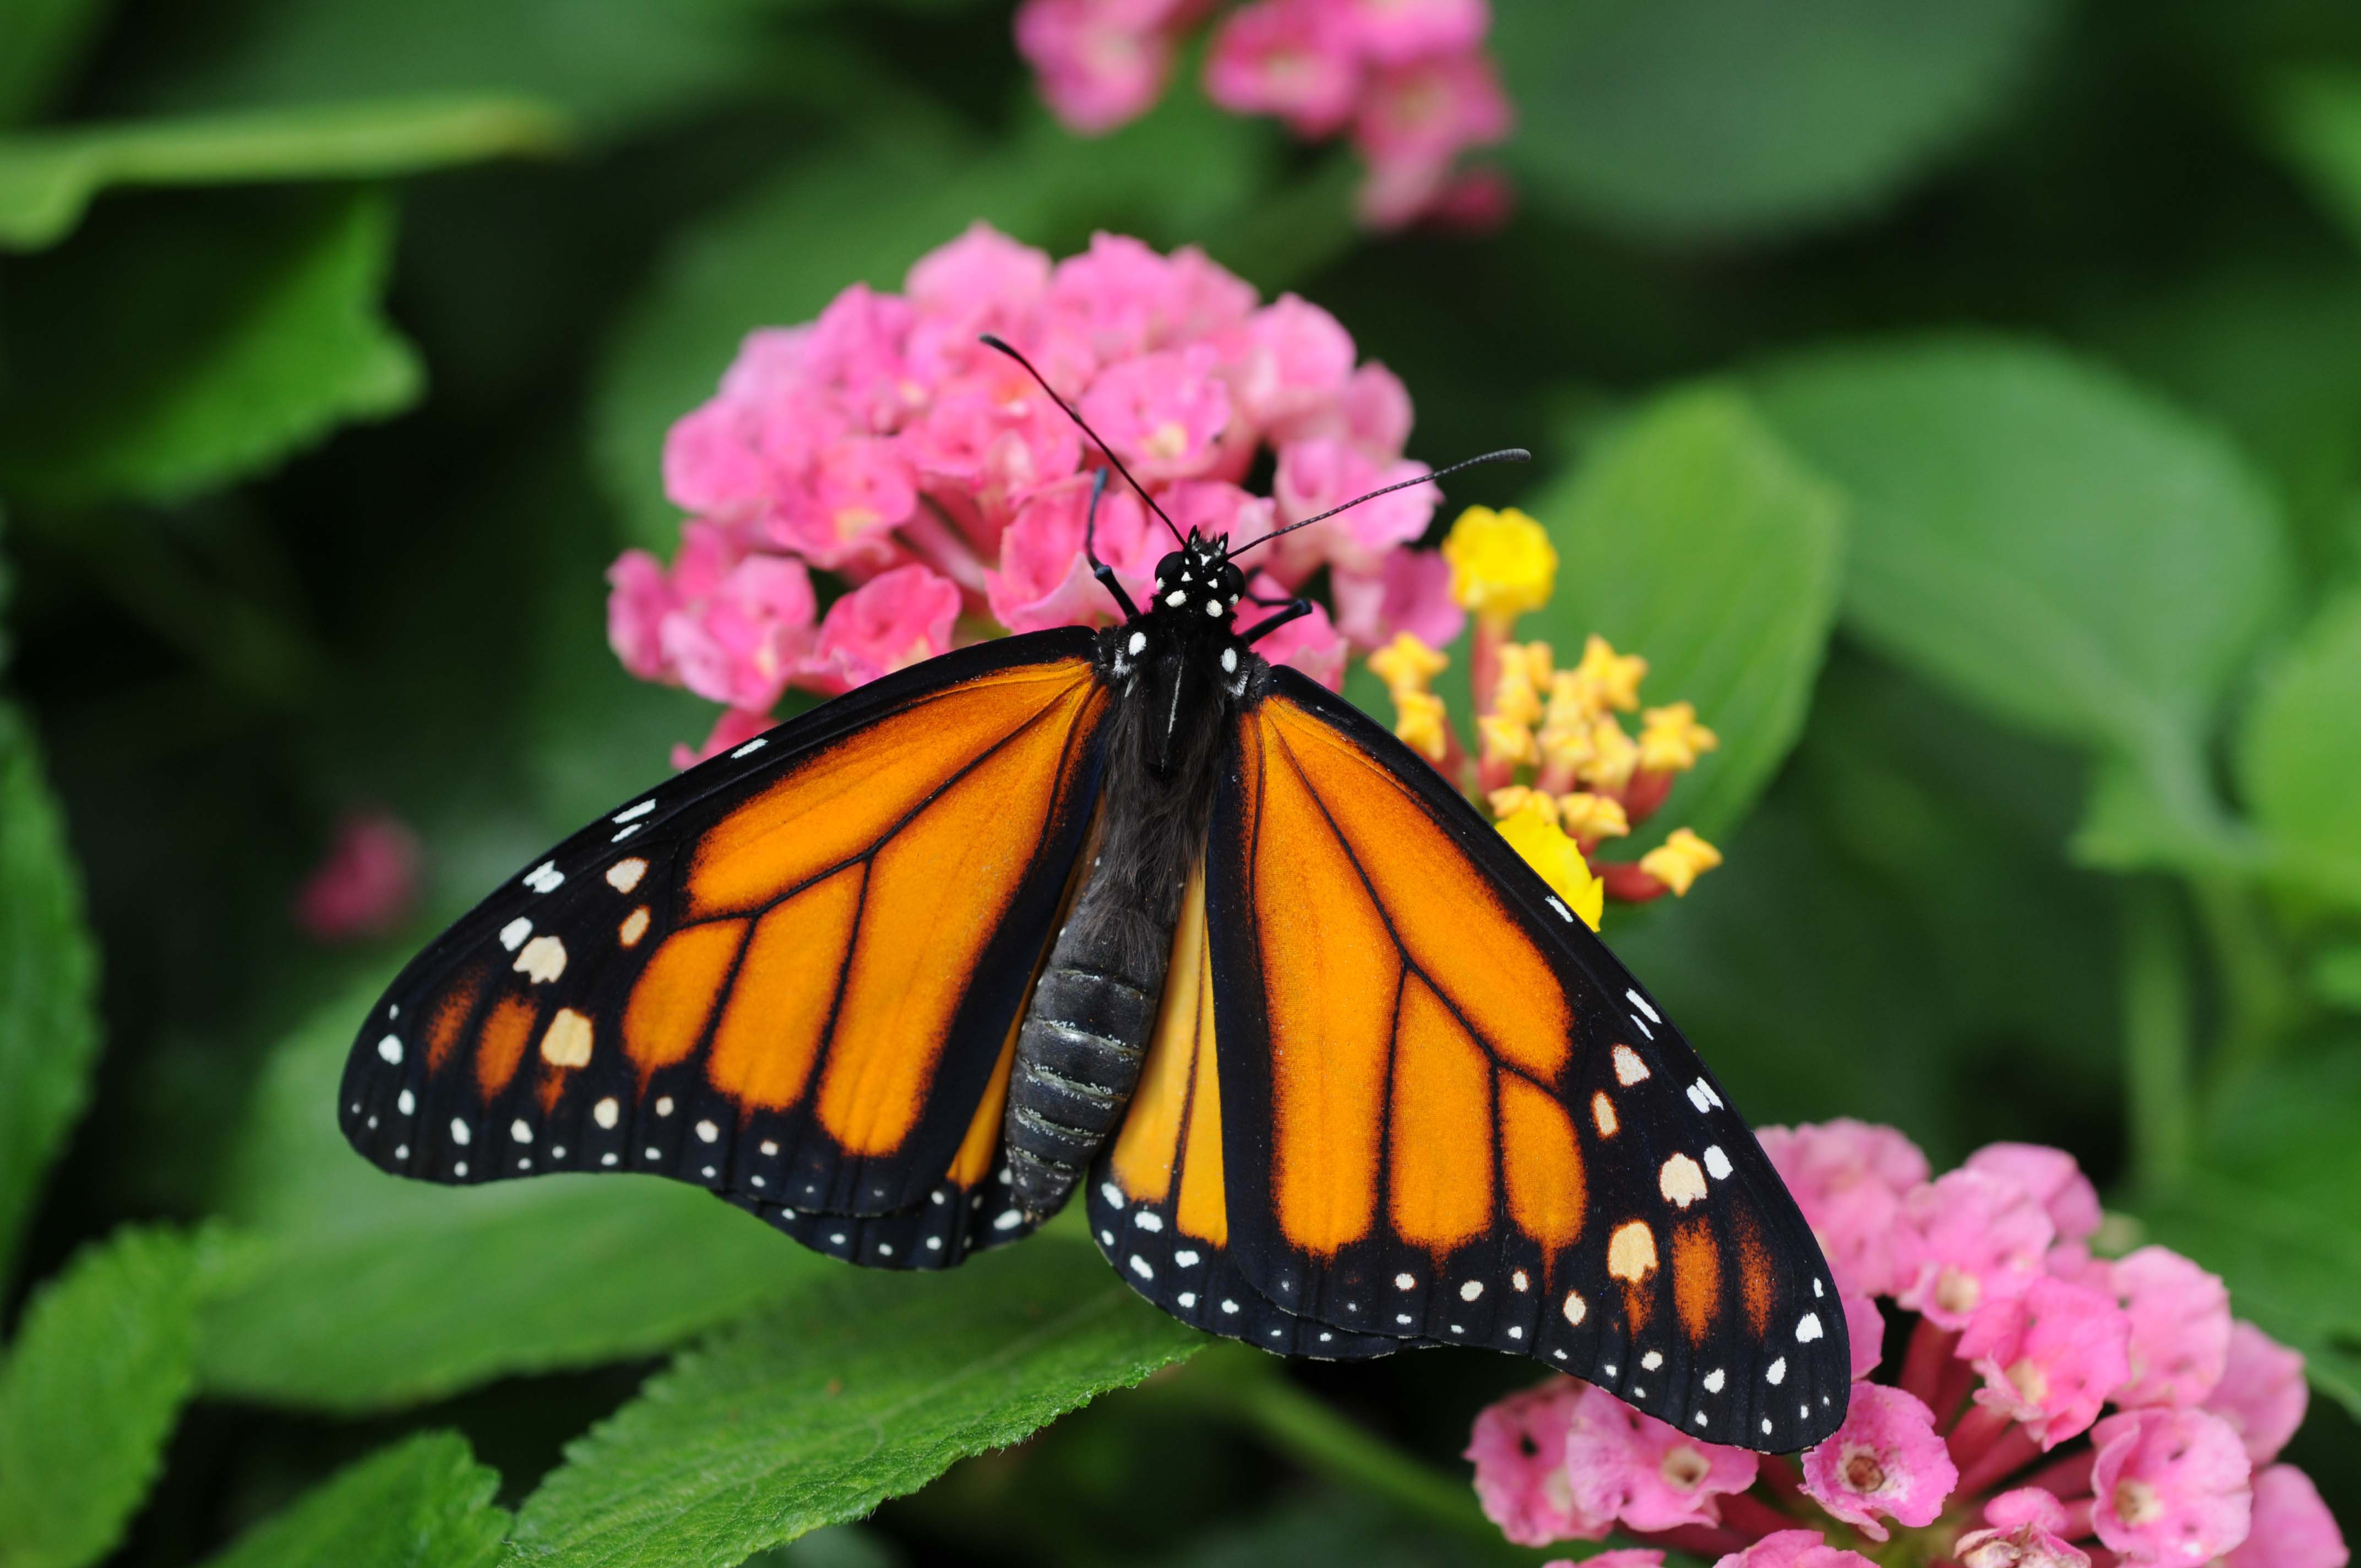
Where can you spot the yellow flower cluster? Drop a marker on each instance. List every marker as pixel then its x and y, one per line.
pixel 1502 563
pixel 1678 861
pixel 1533 830
pixel 1409 666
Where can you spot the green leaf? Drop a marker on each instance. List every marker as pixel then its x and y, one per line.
pixel 423 1503
pixel 48 177
pixel 865 212
pixel 2299 756
pixel 2274 1209
pixel 2055 546
pixel 2313 115
pixel 364 1290
pixel 1710 119
pixel 180 345
pixel 48 974
pixel 1692 537
pixel 89 1393
pixel 41 41
pixel 615 64
pixel 861 1390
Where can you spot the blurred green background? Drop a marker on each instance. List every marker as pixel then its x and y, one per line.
pixel 1992 371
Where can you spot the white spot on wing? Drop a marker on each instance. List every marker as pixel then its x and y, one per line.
pixel 1562 912
pixel 459 1134
pixel 1628 1069
pixel 1681 1181
pixel 1652 1360
pixel 1575 1310
pixel 1808 1328
pixel 1777 1372
pixel 1008 1219
pixel 1716 1164
pixel 390 1049
pixel 543 959
pixel 631 813
pixel 1714 1380
pixel 1405 1282
pixel 1469 1291
pixel 625 875
pixel 750 747
pixel 405 1102
pixel 544 877
pixel 521 1130
pixel 1112 1193
pixel 513 934
pixel 1186 1257
pixel 1139 1266
pixel 1698 1097
pixel 607 1113
pixel 1147 1220
pixel 1641 1004
pixel 708 1131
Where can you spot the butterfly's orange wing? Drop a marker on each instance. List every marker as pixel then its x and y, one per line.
pixel 1436 1110
pixel 792 975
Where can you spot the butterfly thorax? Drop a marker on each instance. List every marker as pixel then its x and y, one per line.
pixel 1176 674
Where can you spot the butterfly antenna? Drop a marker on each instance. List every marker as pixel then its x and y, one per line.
pixel 992 342
pixel 1506 454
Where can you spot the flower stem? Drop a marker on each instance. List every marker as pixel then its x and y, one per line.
pixel 2158 1040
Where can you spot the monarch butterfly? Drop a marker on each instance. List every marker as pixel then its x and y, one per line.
pixel 1135 912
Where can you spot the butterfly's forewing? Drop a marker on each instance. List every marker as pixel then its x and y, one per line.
pixel 789 975
pixel 1449 1115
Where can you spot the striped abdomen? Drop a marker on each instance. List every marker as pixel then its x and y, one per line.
pixel 1078 1053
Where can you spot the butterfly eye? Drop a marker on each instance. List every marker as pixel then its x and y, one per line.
pixel 1170 568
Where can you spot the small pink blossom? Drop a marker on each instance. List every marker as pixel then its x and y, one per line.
pixel 2024 1529
pixel 1629 1557
pixel 888 624
pixel 366 884
pixel 1101 63
pixel 857 489
pixel 1392 31
pixel 1633 1467
pixel 1324 472
pixel 640 595
pixel 2172 1486
pixel 1965 1239
pixel 2292 1528
pixel 1162 413
pixel 983 281
pixel 1885 1460
pixel 2181 1328
pixel 1291 58
pixel 1793 1549
pixel 1864 1333
pixel 1217 508
pixel 1120 298
pixel 2050 1356
pixel 740 642
pixel 2053 1178
pixel 1412 592
pixel 1849 1178
pixel 2262 1393
pixel 1518 1449
pixel 1413 122
pixel 1290 361
pixel 1310 643
pixel 1043 580
pixel 731 731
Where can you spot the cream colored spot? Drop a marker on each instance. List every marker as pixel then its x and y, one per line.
pixel 1683 1468
pixel 607 1113
pixel 1682 1182
pixel 624 875
pixel 1631 1251
pixel 1602 1114
pixel 543 958
pixel 1575 1310
pixel 634 927
pixel 1521 1280
pixel 1628 1069
pixel 567 1043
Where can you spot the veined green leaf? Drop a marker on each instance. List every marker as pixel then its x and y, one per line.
pixel 423 1503
pixel 860 1391
pixel 171 349
pixel 48 976
pixel 89 1393
pixel 48 178
pixel 1693 538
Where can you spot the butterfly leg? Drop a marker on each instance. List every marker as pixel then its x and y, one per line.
pixel 1296 610
pixel 1100 569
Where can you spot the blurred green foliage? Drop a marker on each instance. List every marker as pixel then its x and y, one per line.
pixel 1958 402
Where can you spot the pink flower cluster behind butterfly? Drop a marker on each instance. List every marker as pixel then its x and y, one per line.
pixel 1408 80
pixel 2052 1408
pixel 884 446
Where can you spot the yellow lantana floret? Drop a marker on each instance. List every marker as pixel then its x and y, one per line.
pixel 1418 723
pixel 1514 696
pixel 1671 738
pixel 1506 741
pixel 1406 664
pixel 1680 861
pixel 1605 679
pixel 1508 801
pixel 1546 848
pixel 1502 563
pixel 1614 757
pixel 1590 817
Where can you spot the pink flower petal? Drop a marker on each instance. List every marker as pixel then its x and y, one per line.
pixel 1162 413
pixel 732 729
pixel 2053 1178
pixel 1519 1451
pixel 1965 1239
pixel 890 622
pixel 366 884
pixel 2171 1485
pixel 1308 643
pixel 1884 1461
pixel 1394 31
pixel 1864 1333
pixel 2181 1328
pixel 1411 592
pixel 2050 1356
pixel 2262 1393
pixel 1293 59
pixel 1849 1178
pixel 1043 580
pixel 1323 472
pixel 1633 1467
pixel 2292 1528
pixel 1793 1549
pixel 1098 65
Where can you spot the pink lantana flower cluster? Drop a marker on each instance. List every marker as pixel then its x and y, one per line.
pixel 1409 82
pixel 2051 1409
pixel 882 451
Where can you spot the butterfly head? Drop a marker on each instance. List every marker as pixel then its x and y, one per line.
pixel 1197 579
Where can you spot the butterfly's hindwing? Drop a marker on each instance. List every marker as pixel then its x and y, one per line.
pixel 1450 1115
pixel 789 975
